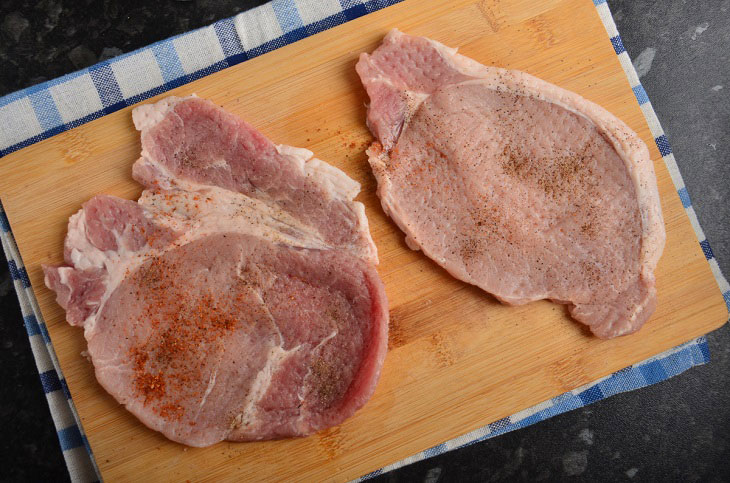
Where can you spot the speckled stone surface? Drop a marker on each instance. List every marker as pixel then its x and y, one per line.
pixel 674 431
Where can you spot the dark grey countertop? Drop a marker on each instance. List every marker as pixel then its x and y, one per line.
pixel 676 430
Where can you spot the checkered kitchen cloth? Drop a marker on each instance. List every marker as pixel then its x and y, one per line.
pixel 44 110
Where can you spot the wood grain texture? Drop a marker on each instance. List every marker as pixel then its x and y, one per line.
pixel 458 359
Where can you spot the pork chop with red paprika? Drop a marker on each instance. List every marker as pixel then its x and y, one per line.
pixel 237 299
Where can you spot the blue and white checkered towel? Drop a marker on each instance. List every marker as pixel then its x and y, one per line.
pixel 44 110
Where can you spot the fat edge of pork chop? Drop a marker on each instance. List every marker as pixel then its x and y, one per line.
pixel 416 85
pixel 134 272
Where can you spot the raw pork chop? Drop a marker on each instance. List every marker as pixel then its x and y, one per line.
pixel 238 298
pixel 513 184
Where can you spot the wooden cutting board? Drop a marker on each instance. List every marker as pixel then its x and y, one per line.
pixel 458 359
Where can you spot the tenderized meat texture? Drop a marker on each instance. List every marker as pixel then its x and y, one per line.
pixel 513 184
pixel 238 298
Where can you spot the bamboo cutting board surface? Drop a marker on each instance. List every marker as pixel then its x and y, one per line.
pixel 457 359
